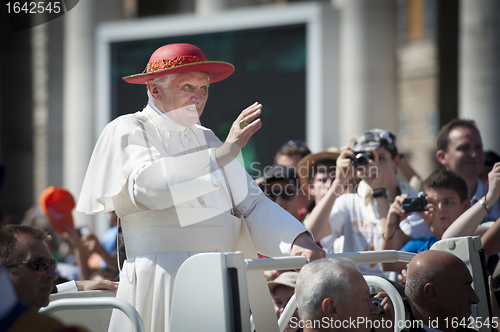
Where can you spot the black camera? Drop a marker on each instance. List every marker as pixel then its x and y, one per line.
pixel 415 203
pixel 361 158
pixel 378 303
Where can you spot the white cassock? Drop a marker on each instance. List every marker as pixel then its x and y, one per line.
pixel 159 178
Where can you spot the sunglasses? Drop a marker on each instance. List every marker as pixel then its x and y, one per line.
pixel 37 264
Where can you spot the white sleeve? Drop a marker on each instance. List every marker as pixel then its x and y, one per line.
pixel 415 227
pixel 273 229
pixel 68 286
pixel 173 180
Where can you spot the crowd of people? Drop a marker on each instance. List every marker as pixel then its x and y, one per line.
pixel 378 210
pixel 172 189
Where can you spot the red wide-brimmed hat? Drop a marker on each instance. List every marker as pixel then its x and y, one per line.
pixel 181 58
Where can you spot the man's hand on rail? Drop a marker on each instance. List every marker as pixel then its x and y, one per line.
pixel 305 246
pixel 85 285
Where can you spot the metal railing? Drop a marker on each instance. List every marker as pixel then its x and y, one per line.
pixel 220 304
pixel 365 257
pixel 96 303
pixel 297 262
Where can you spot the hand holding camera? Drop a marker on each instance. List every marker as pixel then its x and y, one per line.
pixel 427 209
pixel 394 217
pixel 422 206
pixel 415 203
pixel 383 302
pixel 396 212
pixel 344 170
pixel 366 164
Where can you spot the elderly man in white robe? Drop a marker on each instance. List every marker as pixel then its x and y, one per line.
pixel 177 189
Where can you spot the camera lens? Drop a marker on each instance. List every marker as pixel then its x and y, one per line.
pixel 417 204
pixel 361 159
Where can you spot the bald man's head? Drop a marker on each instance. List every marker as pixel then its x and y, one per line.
pixel 438 284
pixel 428 266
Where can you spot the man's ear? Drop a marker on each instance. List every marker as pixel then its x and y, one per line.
pixel 153 89
pixel 441 157
pixel 329 307
pixel 430 292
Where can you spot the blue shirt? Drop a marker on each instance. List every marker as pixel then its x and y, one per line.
pixel 419 245
pixel 109 240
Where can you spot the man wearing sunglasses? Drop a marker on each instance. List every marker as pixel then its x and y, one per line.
pixel 25 253
pixel 27 273
pixel 32 269
pixel 280 185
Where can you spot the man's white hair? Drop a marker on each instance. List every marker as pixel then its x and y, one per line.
pixel 163 81
pixel 320 279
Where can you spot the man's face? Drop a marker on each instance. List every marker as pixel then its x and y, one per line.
pixel 32 287
pixel 456 295
pixel 321 183
pixel 360 304
pixel 186 89
pixel 465 154
pixel 387 166
pixel 281 296
pixel 448 204
pixel 284 194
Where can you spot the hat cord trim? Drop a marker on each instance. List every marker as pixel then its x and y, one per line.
pixel 163 64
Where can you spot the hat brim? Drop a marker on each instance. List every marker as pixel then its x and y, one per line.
pixel 305 164
pixel 216 70
pixel 273 285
